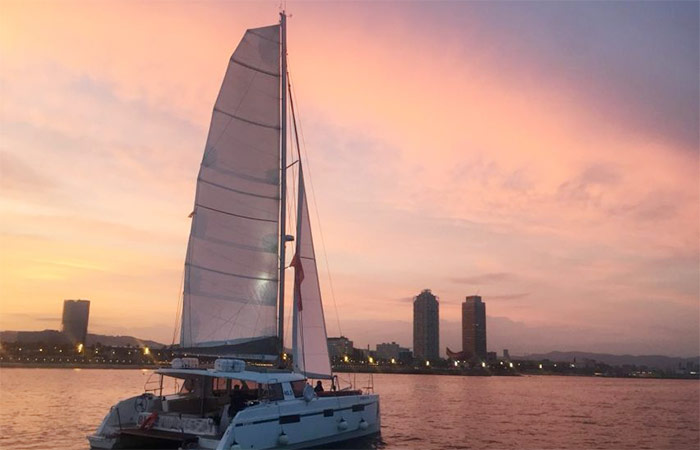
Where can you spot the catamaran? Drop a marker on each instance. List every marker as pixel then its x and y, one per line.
pixel 234 287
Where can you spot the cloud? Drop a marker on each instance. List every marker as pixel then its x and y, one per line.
pixel 20 178
pixel 487 278
pixel 509 296
pixel 550 172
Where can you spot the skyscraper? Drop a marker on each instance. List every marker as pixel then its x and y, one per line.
pixel 426 326
pixel 474 328
pixel 75 320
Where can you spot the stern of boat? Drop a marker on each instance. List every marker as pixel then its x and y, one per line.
pixel 123 415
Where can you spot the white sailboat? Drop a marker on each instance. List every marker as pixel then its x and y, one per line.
pixel 233 304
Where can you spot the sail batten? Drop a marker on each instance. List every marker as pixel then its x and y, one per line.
pixel 231 267
pixel 257 69
pixel 250 121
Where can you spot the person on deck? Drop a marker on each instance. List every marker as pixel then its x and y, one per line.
pixel 319 386
pixel 237 401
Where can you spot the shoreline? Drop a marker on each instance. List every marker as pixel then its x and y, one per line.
pixel 363 371
pixel 6 365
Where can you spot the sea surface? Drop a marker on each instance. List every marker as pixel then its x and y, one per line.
pixel 57 408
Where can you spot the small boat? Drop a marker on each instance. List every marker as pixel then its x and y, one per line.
pixel 255 395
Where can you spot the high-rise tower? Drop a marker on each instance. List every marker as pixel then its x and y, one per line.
pixel 474 327
pixel 75 320
pixel 426 326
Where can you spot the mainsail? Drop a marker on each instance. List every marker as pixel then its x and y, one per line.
pixel 309 331
pixel 231 268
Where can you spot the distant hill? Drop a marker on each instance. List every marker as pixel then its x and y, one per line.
pixel 56 336
pixel 121 341
pixel 650 361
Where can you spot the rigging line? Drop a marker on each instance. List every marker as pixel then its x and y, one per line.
pixel 301 332
pixel 233 319
pixel 313 197
pixel 180 298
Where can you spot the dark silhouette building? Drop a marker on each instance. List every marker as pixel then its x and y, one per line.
pixel 339 347
pixel 474 328
pixel 75 320
pixel 426 326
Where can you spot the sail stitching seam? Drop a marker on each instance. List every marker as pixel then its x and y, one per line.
pixel 242 119
pixel 225 298
pixel 251 248
pixel 238 191
pixel 231 274
pixel 248 66
pixel 235 215
pixel 242 176
pixel 263 37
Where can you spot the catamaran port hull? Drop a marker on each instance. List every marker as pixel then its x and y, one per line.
pixel 288 424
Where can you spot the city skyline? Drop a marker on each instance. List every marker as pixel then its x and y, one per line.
pixel 560 183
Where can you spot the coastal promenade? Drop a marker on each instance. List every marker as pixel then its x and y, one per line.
pixel 130 357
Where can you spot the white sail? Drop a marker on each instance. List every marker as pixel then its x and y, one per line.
pixel 309 341
pixel 231 268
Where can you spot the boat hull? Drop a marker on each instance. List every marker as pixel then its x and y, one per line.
pixel 288 424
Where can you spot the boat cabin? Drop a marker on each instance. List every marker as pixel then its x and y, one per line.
pixel 206 391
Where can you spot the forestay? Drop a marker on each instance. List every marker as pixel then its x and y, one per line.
pixel 231 268
pixel 310 340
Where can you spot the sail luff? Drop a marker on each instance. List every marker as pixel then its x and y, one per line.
pixel 283 181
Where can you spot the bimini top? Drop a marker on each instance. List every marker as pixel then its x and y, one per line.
pixel 244 375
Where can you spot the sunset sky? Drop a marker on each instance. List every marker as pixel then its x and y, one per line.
pixel 544 155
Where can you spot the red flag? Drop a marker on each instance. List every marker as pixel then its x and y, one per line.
pixel 298 277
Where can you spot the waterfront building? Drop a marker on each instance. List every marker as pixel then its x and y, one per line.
pixel 474 328
pixel 426 326
pixel 405 355
pixel 339 347
pixel 387 351
pixel 74 324
pixel 506 354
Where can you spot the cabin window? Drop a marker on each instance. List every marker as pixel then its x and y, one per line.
pixel 298 388
pixel 272 392
pixel 245 385
pixel 218 386
pixel 188 386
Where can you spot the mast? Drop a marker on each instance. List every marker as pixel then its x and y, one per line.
pixel 283 181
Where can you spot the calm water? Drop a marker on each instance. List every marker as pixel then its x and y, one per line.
pixel 56 408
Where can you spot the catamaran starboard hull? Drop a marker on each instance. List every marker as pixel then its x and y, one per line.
pixel 323 421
